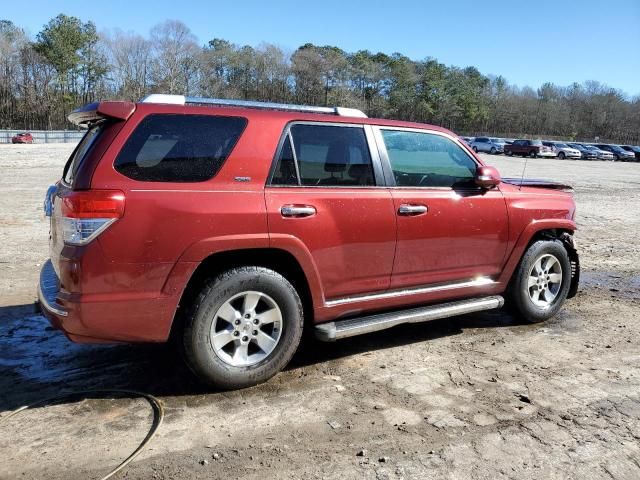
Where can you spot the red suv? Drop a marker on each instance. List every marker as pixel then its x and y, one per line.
pixel 231 226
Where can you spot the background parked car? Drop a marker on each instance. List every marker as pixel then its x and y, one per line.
pixel 22 138
pixel 602 154
pixel 528 148
pixel 467 140
pixel 488 144
pixel 633 148
pixel 562 150
pixel 586 153
pixel 619 153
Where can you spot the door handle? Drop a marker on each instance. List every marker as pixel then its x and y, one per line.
pixel 297 211
pixel 408 210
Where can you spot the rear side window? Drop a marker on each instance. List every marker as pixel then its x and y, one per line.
pixel 179 148
pixel 80 152
pixel 324 155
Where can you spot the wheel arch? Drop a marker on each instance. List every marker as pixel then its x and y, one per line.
pixel 278 260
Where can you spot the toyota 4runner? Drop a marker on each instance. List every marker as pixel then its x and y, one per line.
pixel 232 226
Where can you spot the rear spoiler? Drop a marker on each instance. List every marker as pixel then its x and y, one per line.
pixel 96 111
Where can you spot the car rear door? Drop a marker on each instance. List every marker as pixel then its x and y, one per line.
pixel 449 230
pixel 326 198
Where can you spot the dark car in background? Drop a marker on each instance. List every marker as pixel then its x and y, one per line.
pixel 528 148
pixel 586 153
pixel 619 153
pixel 633 149
pixel 22 138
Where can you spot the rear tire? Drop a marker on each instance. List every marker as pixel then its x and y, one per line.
pixel 533 154
pixel 509 153
pixel 493 151
pixel 475 149
pixel 243 328
pixel 561 156
pixel 541 283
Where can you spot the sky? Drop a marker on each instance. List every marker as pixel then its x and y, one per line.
pixel 527 42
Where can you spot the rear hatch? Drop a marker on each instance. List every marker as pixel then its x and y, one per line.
pixel 103 122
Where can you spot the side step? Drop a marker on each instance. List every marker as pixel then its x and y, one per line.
pixel 331 331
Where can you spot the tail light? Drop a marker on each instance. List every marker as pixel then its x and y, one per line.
pixel 86 214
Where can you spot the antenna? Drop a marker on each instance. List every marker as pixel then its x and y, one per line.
pixel 523 169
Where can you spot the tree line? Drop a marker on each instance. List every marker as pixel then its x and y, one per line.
pixel 69 63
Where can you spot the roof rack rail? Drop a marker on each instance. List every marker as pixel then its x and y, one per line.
pixel 182 100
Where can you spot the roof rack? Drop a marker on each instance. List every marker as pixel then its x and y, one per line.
pixel 182 100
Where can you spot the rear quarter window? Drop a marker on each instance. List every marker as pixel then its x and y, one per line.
pixel 179 148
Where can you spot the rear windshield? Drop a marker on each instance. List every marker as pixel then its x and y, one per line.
pixel 80 152
pixel 561 145
pixel 536 142
pixel 179 148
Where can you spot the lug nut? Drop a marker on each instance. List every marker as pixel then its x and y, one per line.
pixel 254 333
pixel 256 321
pixel 245 338
pixel 237 322
pixel 247 315
pixel 235 334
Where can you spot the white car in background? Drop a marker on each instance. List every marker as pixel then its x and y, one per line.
pixel 565 151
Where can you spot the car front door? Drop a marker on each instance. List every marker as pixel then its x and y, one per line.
pixel 449 230
pixel 327 199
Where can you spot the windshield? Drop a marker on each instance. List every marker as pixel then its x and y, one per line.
pixel 616 148
pixel 80 152
pixel 497 140
pixel 562 145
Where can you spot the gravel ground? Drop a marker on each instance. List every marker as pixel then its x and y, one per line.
pixel 474 397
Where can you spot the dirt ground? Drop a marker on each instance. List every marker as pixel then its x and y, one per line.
pixel 475 397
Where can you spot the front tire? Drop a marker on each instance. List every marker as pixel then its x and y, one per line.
pixel 533 154
pixel 493 151
pixel 475 149
pixel 561 155
pixel 243 328
pixel 541 283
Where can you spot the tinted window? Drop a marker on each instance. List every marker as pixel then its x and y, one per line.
pixel 285 172
pixel 179 148
pixel 535 142
pixel 80 152
pixel 427 160
pixel 326 155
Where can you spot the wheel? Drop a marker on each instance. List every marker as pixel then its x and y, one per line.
pixel 475 149
pixel 509 153
pixel 532 154
pixel 492 151
pixel 243 328
pixel 561 155
pixel 542 280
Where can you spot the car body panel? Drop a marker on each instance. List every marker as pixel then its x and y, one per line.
pixel 356 254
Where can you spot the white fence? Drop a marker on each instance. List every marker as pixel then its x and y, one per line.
pixel 45 136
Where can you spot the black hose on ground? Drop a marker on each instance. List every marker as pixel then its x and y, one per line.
pixel 158 416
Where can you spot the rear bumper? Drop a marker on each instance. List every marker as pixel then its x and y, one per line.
pixel 104 319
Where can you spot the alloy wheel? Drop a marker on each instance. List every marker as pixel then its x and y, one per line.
pixel 246 329
pixel 544 281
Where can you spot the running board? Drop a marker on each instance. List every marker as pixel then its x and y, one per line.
pixel 331 331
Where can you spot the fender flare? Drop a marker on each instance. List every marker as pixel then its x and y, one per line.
pixel 533 228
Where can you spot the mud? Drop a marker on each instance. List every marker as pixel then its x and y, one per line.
pixel 473 397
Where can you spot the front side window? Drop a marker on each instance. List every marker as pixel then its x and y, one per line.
pixel 324 155
pixel 179 148
pixel 427 160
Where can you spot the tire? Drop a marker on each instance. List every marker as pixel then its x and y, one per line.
pixel 523 297
pixel 509 153
pixel 492 151
pixel 532 154
pixel 475 149
pixel 275 303
pixel 561 156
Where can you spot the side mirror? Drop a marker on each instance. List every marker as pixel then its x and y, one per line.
pixel 487 177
